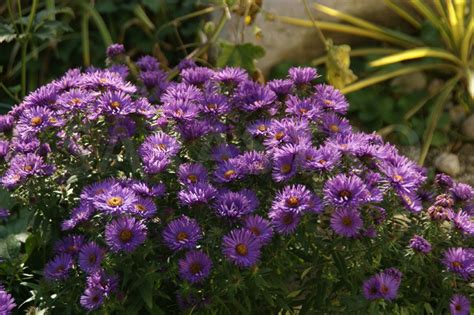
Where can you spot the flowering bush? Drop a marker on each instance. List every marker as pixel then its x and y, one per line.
pixel 217 193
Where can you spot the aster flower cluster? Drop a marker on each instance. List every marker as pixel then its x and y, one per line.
pixel 207 176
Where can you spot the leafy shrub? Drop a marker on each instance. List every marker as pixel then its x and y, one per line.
pixel 215 193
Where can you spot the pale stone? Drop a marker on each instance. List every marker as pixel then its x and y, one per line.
pixel 468 127
pixel 284 42
pixel 448 163
pixel 410 82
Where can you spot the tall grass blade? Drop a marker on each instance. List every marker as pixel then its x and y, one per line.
pixel 416 54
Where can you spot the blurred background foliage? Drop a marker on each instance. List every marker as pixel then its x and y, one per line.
pixel 40 40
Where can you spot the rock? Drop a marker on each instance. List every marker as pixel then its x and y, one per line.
pixel 448 163
pixel 468 127
pixel 410 82
pixel 457 113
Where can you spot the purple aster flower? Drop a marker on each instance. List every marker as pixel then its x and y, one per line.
pixel 181 110
pixel 122 128
pixel 459 260
pixel 82 213
pixel 460 305
pixel 388 286
pixel 104 80
pixel 58 268
pixel 122 70
pixel 148 63
pixel 371 288
pixel 302 107
pixel 224 152
pixel 125 234
pixel 144 190
pixel 144 207
pixel 439 213
pixel 107 284
pixel 302 75
pixel 251 96
pixel 71 245
pixel 346 222
pixel 4 213
pixel 286 161
pixel 333 124
pixel 44 96
pixel 259 127
pixel 116 103
pixel 154 162
pixel 192 173
pixel 444 181
pixel 115 200
pixel 6 123
pixel 197 76
pixel 260 227
pixel 230 76
pixel 115 50
pixel 289 130
pixel 228 171
pixel 284 222
pixel 235 204
pixel 411 201
pixel 462 192
pixel 186 63
pixel 324 158
pixel 30 165
pixel 90 257
pixel 254 162
pixel 241 247
pixel 281 87
pixel 195 266
pixel 193 130
pixel 92 298
pixel 345 191
pixel 464 222
pixel 7 302
pixel 159 142
pixel 215 104
pixel 182 96
pixel 331 99
pixel 293 198
pixel 34 120
pixel 419 244
pixel 195 194
pixel 182 233
pixel 75 100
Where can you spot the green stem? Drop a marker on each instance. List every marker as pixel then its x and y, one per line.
pixel 24 47
pixel 86 58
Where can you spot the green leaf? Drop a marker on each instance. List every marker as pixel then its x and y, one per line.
pixel 242 55
pixel 7 33
pixel 9 247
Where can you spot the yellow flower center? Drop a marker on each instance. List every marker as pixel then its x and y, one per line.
pixel 75 101
pixel 293 201
pixel 383 289
pixel 228 174
pixel 334 128
pixel 27 168
pixel 115 104
pixel 398 178
pixel 211 106
pixel 140 207
pixel 192 178
pixel 195 268
pixel 255 231
pixel 262 128
pixel 161 146
pixel 322 161
pixel 92 259
pixel 347 221
pixel 125 235
pixel 279 135
pixel 182 236
pixel 115 201
pixel 328 102
pixel 345 194
pixel 285 168
pixel 35 121
pixel 303 110
pixel 241 249
pixel 456 264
